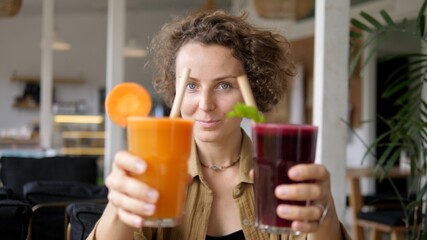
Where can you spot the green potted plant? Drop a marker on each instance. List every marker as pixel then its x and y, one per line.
pixel 408 127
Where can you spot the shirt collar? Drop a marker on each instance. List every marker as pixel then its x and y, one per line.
pixel 195 169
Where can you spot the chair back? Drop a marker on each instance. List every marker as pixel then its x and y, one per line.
pixel 17 171
pixel 41 192
pixel 83 217
pixel 6 193
pixel 14 219
pixel 50 199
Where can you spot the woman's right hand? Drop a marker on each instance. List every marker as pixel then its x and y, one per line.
pixel 132 199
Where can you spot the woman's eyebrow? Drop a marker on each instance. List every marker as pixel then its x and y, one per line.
pixel 224 77
pixel 216 79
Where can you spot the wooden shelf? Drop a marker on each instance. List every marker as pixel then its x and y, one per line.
pixel 83 134
pixel 26 107
pixel 80 141
pixel 83 151
pixel 19 142
pixel 34 79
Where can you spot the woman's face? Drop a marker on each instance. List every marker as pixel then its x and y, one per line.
pixel 212 90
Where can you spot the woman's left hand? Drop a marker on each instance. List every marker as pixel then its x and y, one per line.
pixel 307 219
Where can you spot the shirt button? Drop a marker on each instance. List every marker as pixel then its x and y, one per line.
pixel 245 222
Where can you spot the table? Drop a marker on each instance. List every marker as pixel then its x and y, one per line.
pixel 354 176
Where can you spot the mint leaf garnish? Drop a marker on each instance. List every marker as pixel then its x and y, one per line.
pixel 242 110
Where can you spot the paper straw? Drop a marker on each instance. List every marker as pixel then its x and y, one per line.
pixel 179 95
pixel 246 90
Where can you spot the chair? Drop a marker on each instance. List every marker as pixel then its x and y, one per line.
pixel 7 193
pixel 381 219
pixel 17 171
pixel 49 200
pixel 14 219
pixel 384 221
pixel 82 219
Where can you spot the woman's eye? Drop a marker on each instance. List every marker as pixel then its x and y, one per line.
pixel 191 86
pixel 224 85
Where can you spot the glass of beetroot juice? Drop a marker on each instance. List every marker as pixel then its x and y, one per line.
pixel 278 147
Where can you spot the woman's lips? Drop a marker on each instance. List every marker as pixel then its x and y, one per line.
pixel 208 124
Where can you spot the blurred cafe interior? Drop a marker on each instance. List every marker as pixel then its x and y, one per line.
pixel 52 98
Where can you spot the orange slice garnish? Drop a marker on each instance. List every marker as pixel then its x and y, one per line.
pixel 127 99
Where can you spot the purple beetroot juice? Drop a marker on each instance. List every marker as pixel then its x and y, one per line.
pixel 277 148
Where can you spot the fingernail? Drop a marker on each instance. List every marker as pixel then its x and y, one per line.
pixel 140 167
pixel 284 210
pixel 295 173
pixel 137 221
pixel 282 190
pixel 153 195
pixel 149 208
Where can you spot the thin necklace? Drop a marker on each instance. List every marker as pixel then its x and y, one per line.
pixel 217 168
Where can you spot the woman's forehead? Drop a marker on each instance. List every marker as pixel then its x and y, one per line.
pixel 206 57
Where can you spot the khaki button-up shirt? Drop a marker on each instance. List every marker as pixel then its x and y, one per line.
pixel 199 204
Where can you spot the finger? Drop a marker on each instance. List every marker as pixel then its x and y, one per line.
pixel 251 174
pixel 189 179
pixel 305 226
pixel 132 187
pixel 300 191
pixel 303 172
pixel 131 205
pixel 130 218
pixel 125 161
pixel 301 213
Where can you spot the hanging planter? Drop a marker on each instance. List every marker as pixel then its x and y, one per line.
pixel 9 8
pixel 284 9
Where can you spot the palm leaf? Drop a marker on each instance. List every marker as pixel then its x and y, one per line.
pixel 414 61
pixel 371 20
pixel 421 20
pixel 409 84
pixel 358 54
pixel 394 156
pixel 421 25
pixel 371 147
pixel 421 193
pixel 358 24
pixel 414 204
pixel 405 99
pixel 407 130
pixel 387 18
pixel 396 87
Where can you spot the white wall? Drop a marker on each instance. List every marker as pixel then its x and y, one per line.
pixel 19 52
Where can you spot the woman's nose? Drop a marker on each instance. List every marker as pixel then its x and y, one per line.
pixel 207 101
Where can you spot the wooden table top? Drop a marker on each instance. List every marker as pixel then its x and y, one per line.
pixel 394 172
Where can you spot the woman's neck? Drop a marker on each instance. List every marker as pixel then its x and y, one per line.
pixel 221 153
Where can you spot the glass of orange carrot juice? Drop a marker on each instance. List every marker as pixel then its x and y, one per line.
pixel 165 145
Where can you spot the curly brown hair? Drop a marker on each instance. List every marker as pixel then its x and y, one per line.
pixel 265 55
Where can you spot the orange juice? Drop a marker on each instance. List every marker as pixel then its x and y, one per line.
pixel 165 145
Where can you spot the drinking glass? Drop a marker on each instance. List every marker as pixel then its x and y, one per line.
pixel 165 145
pixel 278 147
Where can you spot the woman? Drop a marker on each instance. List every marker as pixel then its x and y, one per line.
pixel 218 47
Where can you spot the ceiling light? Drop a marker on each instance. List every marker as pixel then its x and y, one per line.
pixel 133 49
pixel 58 44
